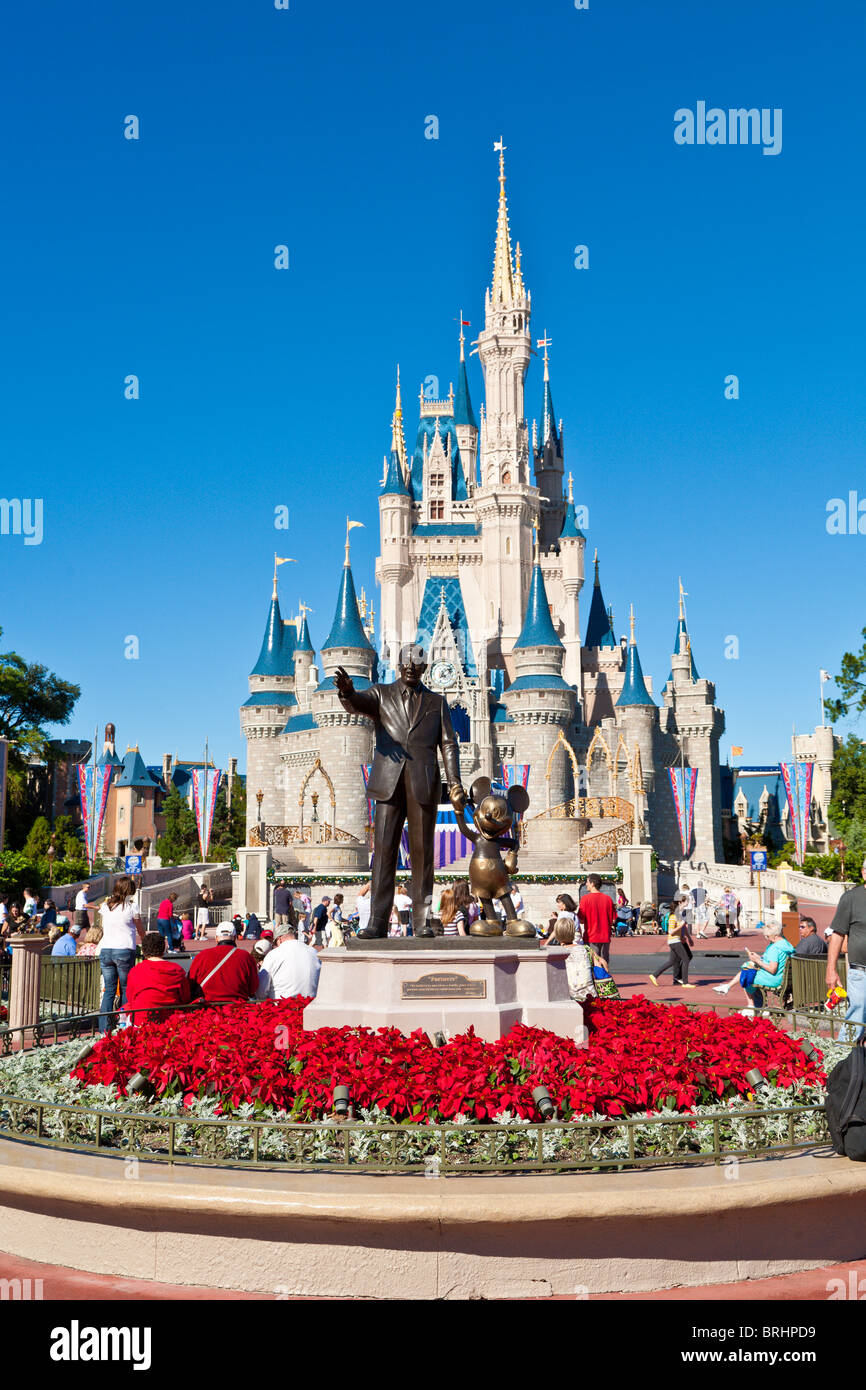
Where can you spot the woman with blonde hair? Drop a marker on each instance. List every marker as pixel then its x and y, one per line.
pixel 578 962
pixel 452 917
pixel 90 944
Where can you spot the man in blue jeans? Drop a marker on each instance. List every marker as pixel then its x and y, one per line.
pixel 850 921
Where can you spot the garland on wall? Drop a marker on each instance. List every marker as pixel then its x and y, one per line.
pixel 298 880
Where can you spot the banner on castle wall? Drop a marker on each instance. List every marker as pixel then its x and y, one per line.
pixel 449 842
pixel 798 789
pixel 515 775
pixel 205 784
pixel 683 783
pixel 93 784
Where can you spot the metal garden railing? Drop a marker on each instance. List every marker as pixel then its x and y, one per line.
pixel 442 1149
pixel 69 986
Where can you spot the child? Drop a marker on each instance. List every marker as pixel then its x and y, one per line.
pixel 187 931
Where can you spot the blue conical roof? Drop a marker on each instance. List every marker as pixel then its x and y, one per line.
pixel 570 527
pixel 634 692
pixel 538 629
pixel 133 772
pixel 347 630
pixel 598 633
pixel 548 419
pixel 463 412
pixel 680 647
pixel 394 482
pixel 275 657
pixel 303 643
pixel 108 760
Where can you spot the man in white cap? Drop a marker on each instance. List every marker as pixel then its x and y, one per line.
pixel 291 968
pixel 225 972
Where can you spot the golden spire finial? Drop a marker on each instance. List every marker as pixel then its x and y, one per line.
pixel 545 343
pixel 278 560
pixel 462 336
pixel 535 544
pixel 570 489
pixel 631 624
pixel 503 274
pixel 398 408
pixel 349 525
pixel 682 596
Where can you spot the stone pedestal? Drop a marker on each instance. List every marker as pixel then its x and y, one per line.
pixel 637 877
pixel 253 880
pixel 26 973
pixel 439 988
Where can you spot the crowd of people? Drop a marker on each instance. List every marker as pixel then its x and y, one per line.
pixel 284 959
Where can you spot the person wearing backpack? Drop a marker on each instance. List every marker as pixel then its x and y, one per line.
pixel 850 923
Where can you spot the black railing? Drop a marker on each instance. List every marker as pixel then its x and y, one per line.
pixel 69 986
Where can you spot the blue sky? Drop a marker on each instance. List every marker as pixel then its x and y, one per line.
pixel 261 388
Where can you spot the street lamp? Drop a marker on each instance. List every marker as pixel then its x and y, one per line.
pixel 50 854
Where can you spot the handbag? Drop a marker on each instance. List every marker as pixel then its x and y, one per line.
pixel 605 984
pixel 747 975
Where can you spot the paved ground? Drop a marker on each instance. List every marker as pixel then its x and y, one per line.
pixel 69 1284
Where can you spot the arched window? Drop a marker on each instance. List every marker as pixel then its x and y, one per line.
pixel 506 477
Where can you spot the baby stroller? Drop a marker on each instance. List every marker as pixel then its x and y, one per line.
pixel 647 923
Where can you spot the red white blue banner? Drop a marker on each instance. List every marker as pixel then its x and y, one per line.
pixel 93 784
pixel 449 842
pixel 683 783
pixel 205 784
pixel 515 774
pixel 798 789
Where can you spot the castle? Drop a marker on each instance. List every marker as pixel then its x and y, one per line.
pixel 483 561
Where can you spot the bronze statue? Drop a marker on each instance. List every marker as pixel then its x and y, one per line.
pixel 489 870
pixel 412 723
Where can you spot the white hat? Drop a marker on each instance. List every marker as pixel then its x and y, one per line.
pixel 262 947
pixel 225 932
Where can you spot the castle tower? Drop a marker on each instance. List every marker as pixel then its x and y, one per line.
pixel 305 657
pixel 395 523
pixel 601 659
pixel 637 718
pixel 349 735
pixel 263 715
pixel 506 503
pixel 696 726
pixel 465 424
pixel 539 702
pixel 549 466
pixel 572 544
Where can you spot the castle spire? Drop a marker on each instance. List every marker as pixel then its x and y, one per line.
pixel 503 272
pixel 538 629
pixel 598 633
pixel 548 422
pixel 682 641
pixel 634 691
pixel 463 412
pixel 570 529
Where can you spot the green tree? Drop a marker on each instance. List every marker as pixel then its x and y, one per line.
pixel 32 699
pixel 851 682
pixel 848 779
pixel 38 839
pixel 229 827
pixel 179 844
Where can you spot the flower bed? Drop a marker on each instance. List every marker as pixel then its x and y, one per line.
pixel 640 1057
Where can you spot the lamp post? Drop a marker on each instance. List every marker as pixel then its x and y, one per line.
pixel 50 855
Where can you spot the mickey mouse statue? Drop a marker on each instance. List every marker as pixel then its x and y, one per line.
pixel 488 869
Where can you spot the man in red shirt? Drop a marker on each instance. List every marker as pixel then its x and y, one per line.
pixel 225 972
pixel 157 982
pixel 597 914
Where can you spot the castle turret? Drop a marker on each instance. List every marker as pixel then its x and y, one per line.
pixel 549 466
pixel 270 703
pixel 465 424
pixel 637 718
pixel 305 656
pixel 572 544
pixel 695 726
pixel 539 702
pixel 506 502
pixel 347 645
pixel 393 569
